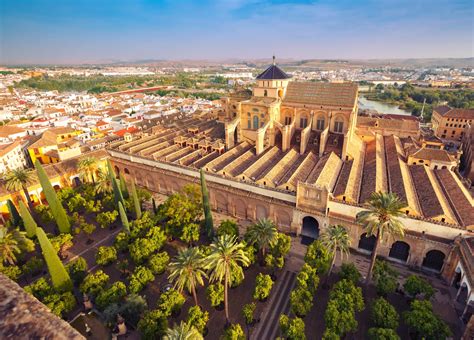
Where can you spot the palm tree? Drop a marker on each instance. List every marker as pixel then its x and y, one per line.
pixel 20 179
pixel 381 218
pixel 87 167
pixel 103 185
pixel 187 271
pixel 262 233
pixel 226 255
pixel 336 238
pixel 12 243
pixel 183 331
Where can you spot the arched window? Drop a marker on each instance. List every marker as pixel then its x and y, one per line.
pixel 320 123
pixel 255 122
pixel 249 124
pixel 434 260
pixel 400 250
pixel 367 243
pixel 303 122
pixel 265 93
pixel 338 125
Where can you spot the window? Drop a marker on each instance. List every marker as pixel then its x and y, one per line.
pixel 287 120
pixel 265 93
pixel 249 124
pixel 338 126
pixel 255 122
pixel 320 124
pixel 303 122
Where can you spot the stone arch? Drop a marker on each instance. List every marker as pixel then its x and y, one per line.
pixel 321 120
pixel 366 243
pixel 434 260
pixel 221 202
pixel 126 171
pixel 310 227
pixel 261 212
pixel 255 122
pixel 240 208
pixel 400 251
pixel 117 171
pixel 339 123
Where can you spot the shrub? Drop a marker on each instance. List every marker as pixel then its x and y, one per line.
pixel 415 285
pixel 279 248
pixel 422 321
pixel 62 242
pixel 60 303
pixel 170 302
pixel 292 329
pixel 301 301
pixel 234 332
pixel 153 325
pixel 228 227
pixel 76 203
pixel 105 255
pixel 44 212
pixel 385 278
pixel 190 233
pixel 94 283
pixel 34 266
pixel 12 272
pixel 382 334
pixel 121 241
pixel 263 286
pixel 40 288
pixel 106 218
pixel 113 294
pixel 350 272
pixel 215 294
pixel 236 276
pixel 198 318
pixel 250 251
pixel 319 257
pixel 158 262
pixel 77 270
pixel 157 236
pixel 133 307
pixel 383 314
pixel 141 249
pixel 88 228
pixel 140 278
pixel 248 311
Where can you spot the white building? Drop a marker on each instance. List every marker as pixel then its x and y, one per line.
pixel 12 157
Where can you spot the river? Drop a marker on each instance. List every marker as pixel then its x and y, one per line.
pixel 365 104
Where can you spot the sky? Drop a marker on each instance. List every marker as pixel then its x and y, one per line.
pixel 85 31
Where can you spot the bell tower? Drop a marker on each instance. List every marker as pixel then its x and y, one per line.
pixel 272 82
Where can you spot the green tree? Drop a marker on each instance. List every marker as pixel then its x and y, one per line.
pixel 34 266
pixel 335 238
pixel 301 301
pixel 424 323
pixel 94 283
pixel 28 221
pixel 190 233
pixel 206 206
pixel 20 179
pixel 159 262
pixel 307 279
pixel 12 243
pixel 248 311
pixel 385 278
pixel 383 314
pixel 14 215
pixel 121 241
pixel 106 218
pixel 279 248
pixel 87 168
pixel 382 334
pixel 187 271
pixel 77 270
pixel 59 276
pixel 228 227
pixel 263 286
pixel 123 187
pixel 215 294
pixel 170 302
pixel 153 325
pixel 114 294
pixel 136 201
pixel 226 254
pixel 183 331
pixel 57 209
pixel 198 318
pixel 381 218
pixel 105 255
pixel 140 278
pixel 262 234
pixel 292 329
pixel 103 185
pixel 123 218
pixel 350 272
pixel 233 332
pixel 415 285
pixel 318 256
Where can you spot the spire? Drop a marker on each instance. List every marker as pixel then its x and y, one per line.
pixel 273 59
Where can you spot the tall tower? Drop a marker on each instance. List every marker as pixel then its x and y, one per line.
pixel 272 82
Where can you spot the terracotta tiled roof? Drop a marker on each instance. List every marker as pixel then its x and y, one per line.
pixel 429 203
pixel 432 155
pixel 334 94
pixel 6 148
pixel 442 109
pixel 343 178
pixel 447 112
pixel 8 130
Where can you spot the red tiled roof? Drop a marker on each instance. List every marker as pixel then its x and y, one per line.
pixel 122 132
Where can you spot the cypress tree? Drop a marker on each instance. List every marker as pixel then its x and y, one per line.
pixel 14 215
pixel 123 218
pixel 57 209
pixel 155 208
pixel 206 207
pixel 136 201
pixel 28 221
pixel 118 197
pixel 123 187
pixel 59 276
